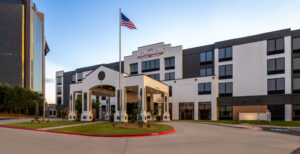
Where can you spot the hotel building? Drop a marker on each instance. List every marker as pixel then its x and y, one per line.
pixel 253 74
pixel 23 46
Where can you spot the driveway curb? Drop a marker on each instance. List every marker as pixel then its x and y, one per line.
pixel 91 135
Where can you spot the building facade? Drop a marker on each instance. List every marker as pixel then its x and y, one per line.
pixel 253 74
pixel 22 45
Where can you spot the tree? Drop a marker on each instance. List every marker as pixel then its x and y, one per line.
pixel 78 105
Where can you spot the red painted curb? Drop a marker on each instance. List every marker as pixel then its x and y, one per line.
pixel 91 135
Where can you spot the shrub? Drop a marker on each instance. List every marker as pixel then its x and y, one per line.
pixel 148 125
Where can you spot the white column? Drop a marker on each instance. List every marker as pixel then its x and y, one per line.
pixel 196 114
pixel 72 114
pixel 107 113
pixel 87 114
pixel 288 112
pixel 214 109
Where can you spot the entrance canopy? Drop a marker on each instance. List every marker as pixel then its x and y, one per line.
pixel 104 82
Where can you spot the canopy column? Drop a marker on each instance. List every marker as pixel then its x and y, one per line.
pixel 142 100
pixel 165 100
pixel 72 113
pixel 87 114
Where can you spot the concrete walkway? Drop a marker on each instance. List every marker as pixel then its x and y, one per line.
pixel 88 123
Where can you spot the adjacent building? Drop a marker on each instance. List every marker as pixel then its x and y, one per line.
pixel 23 46
pixel 253 74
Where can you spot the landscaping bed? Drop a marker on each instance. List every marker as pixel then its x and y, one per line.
pixel 234 122
pixel 34 125
pixel 116 129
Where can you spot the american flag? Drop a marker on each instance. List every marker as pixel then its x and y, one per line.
pixel 127 22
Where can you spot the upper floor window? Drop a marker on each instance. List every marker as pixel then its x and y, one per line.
pixel 73 78
pixel 204 88
pixel 170 91
pixel 296 85
pixel 59 80
pixel 275 46
pixel 296 44
pixel 150 65
pixel 169 63
pixel 155 76
pixel 134 68
pixel 225 54
pixel 170 76
pixel 206 71
pixel 58 90
pixel 276 86
pixel 275 66
pixel 225 89
pixel 206 57
pixel 58 101
pixel 79 76
pixel 225 71
pixel 296 65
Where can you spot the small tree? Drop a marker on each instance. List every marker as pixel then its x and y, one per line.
pixel 140 119
pixel 78 105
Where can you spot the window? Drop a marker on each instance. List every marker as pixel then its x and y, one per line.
pixel 276 86
pixel 169 63
pixel 97 99
pixel 206 57
pixel 275 66
pixel 204 110
pixel 79 76
pixel 134 68
pixel 59 80
pixel 58 90
pixel 155 76
pixel 225 71
pixel 296 85
pixel 170 91
pixel 186 111
pixel 151 65
pixel 206 71
pixel 103 98
pixel 225 89
pixel 225 54
pixel 275 46
pixel 296 44
pixel 73 78
pixel 225 112
pixel 204 88
pixel 58 101
pixel 296 65
pixel 170 76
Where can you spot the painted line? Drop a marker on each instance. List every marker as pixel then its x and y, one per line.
pixel 92 135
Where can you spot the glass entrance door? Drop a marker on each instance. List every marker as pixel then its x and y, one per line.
pixel 186 111
pixel 204 111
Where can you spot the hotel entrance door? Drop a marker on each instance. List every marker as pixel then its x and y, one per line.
pixel 131 111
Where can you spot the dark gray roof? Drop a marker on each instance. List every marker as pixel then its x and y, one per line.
pixel 198 49
pixel 295 33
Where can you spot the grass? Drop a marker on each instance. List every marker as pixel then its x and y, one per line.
pixel 43 125
pixel 107 129
pixel 9 115
pixel 234 122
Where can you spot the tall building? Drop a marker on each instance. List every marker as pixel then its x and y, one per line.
pixel 220 81
pixel 23 46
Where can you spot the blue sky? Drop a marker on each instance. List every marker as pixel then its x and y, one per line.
pixel 85 32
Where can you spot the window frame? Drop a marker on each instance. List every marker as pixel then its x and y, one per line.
pixel 225 76
pixel 136 68
pixel 169 76
pixel 226 94
pixel 205 53
pixel 276 91
pixel 226 52
pixel 276 70
pixel 276 51
pixel 168 61
pixel 206 74
pixel 205 91
pixel 146 65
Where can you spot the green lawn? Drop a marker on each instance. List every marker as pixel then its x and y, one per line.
pixel 107 129
pixel 234 122
pixel 43 125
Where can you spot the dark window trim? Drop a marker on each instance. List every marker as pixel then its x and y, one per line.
pixel 226 94
pixel 135 72
pixel 226 58
pixel 226 76
pixel 207 62
pixel 170 67
pixel 296 51
pixel 276 72
pixel 275 51
pixel 270 92
pixel 296 71
pixel 204 92
pixel 296 91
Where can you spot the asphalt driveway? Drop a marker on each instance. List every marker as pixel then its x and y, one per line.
pixel 189 138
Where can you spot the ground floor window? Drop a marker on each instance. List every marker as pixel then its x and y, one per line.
pixel 186 111
pixel 113 109
pixel 225 112
pixel 277 112
pixel 204 110
pixel 296 112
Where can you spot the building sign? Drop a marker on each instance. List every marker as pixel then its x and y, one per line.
pixel 151 52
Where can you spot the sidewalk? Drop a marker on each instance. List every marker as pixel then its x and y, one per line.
pixel 57 127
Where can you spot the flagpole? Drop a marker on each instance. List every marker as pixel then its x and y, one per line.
pixel 120 69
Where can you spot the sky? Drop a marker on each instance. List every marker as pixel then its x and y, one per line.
pixel 86 32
